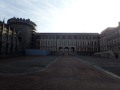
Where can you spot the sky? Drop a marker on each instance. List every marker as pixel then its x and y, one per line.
pixel 73 16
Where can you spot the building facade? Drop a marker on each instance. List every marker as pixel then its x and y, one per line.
pixel 8 39
pixel 68 43
pixel 15 36
pixel 19 34
pixel 25 29
pixel 110 40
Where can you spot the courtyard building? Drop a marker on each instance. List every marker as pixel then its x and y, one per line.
pixel 8 39
pixel 25 29
pixel 110 41
pixel 15 36
pixel 19 34
pixel 68 43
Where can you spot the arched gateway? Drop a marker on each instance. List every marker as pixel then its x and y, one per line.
pixel 66 50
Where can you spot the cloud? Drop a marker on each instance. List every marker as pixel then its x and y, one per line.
pixel 58 15
pixel 34 9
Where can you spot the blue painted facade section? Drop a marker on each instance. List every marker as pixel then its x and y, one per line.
pixel 36 52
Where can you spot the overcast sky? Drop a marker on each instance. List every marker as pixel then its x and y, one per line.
pixel 64 15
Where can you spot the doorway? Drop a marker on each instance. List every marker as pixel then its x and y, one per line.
pixel 66 51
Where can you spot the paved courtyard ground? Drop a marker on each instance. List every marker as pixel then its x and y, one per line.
pixel 111 65
pixel 55 73
pixel 23 65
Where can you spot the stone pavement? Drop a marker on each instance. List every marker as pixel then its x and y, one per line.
pixel 66 73
pixel 24 64
pixel 111 65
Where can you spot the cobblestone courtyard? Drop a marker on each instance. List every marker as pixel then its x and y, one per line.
pixel 56 73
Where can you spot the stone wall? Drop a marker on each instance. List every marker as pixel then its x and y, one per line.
pixel 68 42
pixel 24 28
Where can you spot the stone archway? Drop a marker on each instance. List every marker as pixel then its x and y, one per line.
pixel 72 49
pixel 60 50
pixel 66 51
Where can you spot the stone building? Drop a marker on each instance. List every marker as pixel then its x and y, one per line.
pixel 25 29
pixel 110 41
pixel 16 35
pixel 68 43
pixel 33 40
pixel 8 39
pixel 19 34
